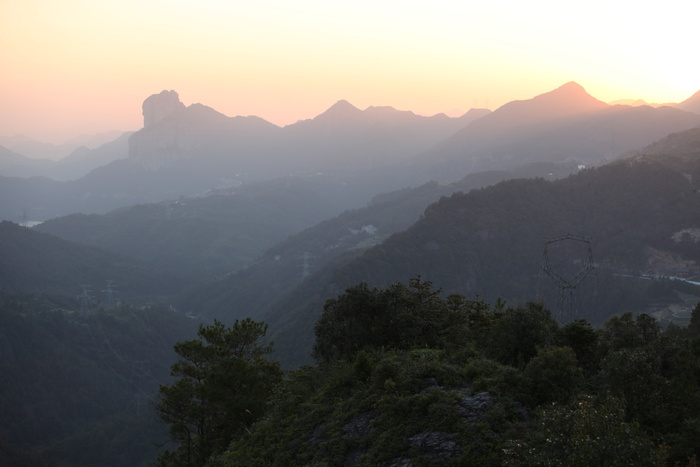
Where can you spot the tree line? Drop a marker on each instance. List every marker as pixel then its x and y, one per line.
pixel 400 365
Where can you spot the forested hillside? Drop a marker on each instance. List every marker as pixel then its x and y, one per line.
pixel 78 388
pixel 405 377
pixel 202 236
pixel 406 374
pixel 85 341
pixel 34 262
pixel 253 289
pixel 490 243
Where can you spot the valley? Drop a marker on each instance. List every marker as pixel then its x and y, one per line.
pixel 199 218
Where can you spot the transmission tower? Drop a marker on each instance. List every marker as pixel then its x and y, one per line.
pixel 85 299
pixel 305 265
pixel 567 281
pixel 109 295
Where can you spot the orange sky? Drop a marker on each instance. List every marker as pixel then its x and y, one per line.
pixel 70 67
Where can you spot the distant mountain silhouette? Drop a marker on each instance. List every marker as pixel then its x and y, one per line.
pixel 194 150
pixel 568 100
pixel 158 107
pixel 173 134
pixel 35 262
pixel 33 149
pixel 224 231
pixel 564 124
pixel 10 159
pixel 342 112
pixel 636 103
pixel 75 165
pixel 691 104
pixel 347 140
pixel 341 139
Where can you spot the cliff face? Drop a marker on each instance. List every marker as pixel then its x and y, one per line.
pixel 159 106
pixel 171 132
pixel 340 140
pixel 159 142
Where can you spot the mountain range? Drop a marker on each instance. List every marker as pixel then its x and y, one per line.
pixel 38 263
pixel 564 124
pixel 199 216
pixel 193 150
pixel 33 149
pixel 205 236
pixel 477 237
pixel 640 216
pixel 81 161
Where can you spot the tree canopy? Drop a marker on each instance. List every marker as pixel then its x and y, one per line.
pixel 224 381
pixel 407 376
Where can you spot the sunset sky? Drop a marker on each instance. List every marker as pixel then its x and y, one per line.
pixel 85 66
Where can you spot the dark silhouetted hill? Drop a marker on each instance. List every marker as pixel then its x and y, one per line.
pixel 332 243
pixel 34 262
pixel 77 388
pixel 640 215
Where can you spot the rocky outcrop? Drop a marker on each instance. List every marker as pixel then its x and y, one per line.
pixel 435 444
pixel 158 145
pixel 360 426
pixel 474 407
pixel 159 106
pixel 199 140
pixel 209 146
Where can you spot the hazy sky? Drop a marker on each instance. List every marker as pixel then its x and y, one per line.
pixel 84 66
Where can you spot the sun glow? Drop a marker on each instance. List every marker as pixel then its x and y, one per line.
pixel 71 67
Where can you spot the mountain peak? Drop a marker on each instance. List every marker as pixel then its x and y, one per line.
pixel 573 96
pixel 571 86
pixel 340 111
pixel 691 104
pixel 342 106
pixel 158 106
pixel 566 100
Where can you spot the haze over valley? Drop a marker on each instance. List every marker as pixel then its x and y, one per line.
pixel 372 234
pixel 207 217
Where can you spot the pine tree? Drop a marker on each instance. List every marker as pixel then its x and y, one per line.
pixel 223 387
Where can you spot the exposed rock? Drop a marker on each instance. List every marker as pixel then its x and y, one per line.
pixel 398 462
pixel 430 384
pixel 435 444
pixel 474 407
pixel 316 437
pixel 360 426
pixel 159 106
pixel 357 429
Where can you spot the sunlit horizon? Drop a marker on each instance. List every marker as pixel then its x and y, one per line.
pixel 84 67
